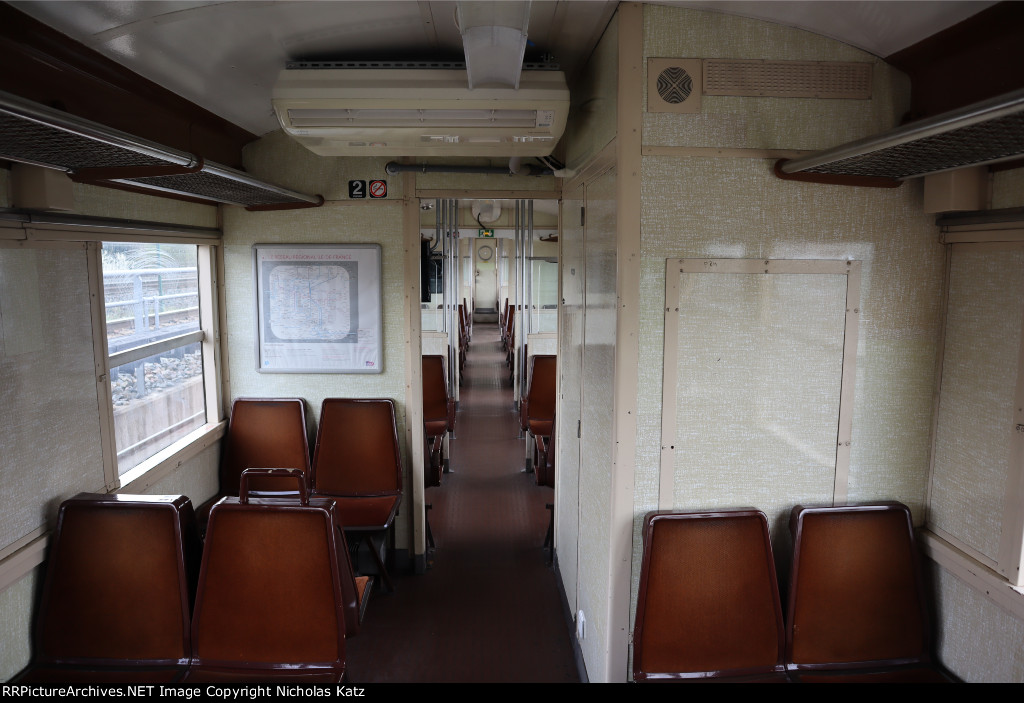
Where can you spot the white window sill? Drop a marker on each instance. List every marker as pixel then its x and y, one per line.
pixel 167 461
pixel 975 574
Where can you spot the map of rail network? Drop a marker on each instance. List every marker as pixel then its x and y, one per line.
pixel 312 302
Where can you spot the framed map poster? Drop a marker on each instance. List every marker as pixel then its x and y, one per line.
pixel 318 308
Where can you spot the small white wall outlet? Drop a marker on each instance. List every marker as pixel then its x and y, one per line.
pixel 581 625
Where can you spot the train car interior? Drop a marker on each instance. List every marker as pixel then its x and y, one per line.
pixel 545 341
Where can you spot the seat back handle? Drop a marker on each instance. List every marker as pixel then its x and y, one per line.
pixel 277 475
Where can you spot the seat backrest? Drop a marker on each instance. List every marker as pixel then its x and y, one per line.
pixel 435 388
pixel 264 433
pixel 708 602
pixel 357 450
pixel 119 582
pixel 856 594
pixel 270 594
pixel 541 395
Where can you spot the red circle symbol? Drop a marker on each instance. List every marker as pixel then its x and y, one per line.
pixel 378 189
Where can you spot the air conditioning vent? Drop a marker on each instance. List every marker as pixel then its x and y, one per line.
pixel 382 112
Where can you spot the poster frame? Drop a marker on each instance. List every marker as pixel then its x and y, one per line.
pixel 366 259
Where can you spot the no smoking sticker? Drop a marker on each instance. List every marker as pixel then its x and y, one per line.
pixel 378 189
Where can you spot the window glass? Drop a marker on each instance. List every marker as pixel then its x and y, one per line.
pixel 152 296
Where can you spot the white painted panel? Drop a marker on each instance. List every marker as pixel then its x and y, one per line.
pixel 759 374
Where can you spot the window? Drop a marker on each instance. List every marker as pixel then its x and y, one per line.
pixel 975 492
pixel 157 312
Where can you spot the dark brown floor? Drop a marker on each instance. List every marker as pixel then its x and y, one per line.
pixel 487 609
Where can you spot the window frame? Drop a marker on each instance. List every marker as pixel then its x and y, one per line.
pixel 165 461
pixel 1000 580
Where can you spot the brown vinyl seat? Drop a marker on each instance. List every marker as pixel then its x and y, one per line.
pixel 537 410
pixel 857 609
pixel 264 433
pixel 358 463
pixel 271 604
pixel 438 414
pixel 708 603
pixel 116 600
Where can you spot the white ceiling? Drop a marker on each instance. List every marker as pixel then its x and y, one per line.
pixel 225 56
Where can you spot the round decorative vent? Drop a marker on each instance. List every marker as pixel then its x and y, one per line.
pixel 674 85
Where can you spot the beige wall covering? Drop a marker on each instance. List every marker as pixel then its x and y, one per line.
pixel 1008 188
pixel 761 122
pixel 976 639
pixel 16 633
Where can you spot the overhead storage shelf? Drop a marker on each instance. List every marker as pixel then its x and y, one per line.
pixel 984 133
pixel 92 153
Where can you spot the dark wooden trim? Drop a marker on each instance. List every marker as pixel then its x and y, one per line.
pixel 835 180
pixel 971 61
pixel 94 175
pixel 285 206
pixel 43 65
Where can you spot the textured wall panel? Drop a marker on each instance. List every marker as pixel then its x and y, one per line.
pixel 279 159
pixel 598 419
pixel 760 362
pixel 197 478
pixel 109 202
pixel 977 639
pixel 16 625
pixel 1008 188
pixel 975 432
pixel 48 405
pixel 569 408
pixel 761 122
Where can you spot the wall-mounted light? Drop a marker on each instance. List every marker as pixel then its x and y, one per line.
pixel 494 40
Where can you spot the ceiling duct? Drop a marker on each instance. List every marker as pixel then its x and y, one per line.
pixel 494 41
pixel 984 133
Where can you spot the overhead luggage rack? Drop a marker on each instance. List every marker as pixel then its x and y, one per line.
pixel 92 153
pixel 984 133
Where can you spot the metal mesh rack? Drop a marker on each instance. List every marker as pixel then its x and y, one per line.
pixel 984 133
pixel 90 152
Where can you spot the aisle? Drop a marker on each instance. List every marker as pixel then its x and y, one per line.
pixel 488 608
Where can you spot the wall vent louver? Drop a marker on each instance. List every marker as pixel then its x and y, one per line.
pixel 674 85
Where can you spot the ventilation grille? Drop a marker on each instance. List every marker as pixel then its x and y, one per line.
pixel 674 85
pixel 787 79
pixel 984 133
pixel 35 134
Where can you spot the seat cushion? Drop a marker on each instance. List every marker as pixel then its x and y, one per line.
pixel 540 427
pixel 436 427
pixel 366 512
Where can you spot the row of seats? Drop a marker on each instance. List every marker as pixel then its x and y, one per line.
pixel 126 598
pixel 356 459
pixel 708 605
